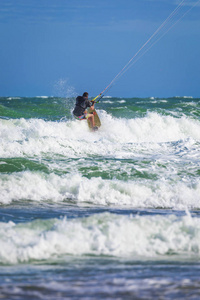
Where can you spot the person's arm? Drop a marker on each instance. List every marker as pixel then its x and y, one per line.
pixel 92 106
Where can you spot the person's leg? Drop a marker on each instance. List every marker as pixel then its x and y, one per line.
pixel 90 117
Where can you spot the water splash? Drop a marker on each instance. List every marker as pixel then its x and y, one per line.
pixel 62 88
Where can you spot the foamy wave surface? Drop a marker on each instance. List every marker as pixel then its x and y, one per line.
pixel 102 234
pixel 35 136
pixel 39 186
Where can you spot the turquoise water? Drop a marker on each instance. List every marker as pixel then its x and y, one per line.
pixel 107 214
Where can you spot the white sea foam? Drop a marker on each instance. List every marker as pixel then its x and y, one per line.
pixel 43 97
pixel 122 101
pixel 101 234
pixel 108 101
pixel 41 187
pixel 162 140
pixel 184 97
pixel 13 98
pixel 157 101
pixel 72 138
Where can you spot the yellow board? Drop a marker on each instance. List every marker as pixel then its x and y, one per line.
pixel 96 118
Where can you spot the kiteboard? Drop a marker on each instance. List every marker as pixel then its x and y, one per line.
pixel 97 121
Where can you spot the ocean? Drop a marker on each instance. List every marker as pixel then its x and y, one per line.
pixel 112 214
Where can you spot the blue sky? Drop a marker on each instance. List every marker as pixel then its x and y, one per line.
pixel 66 47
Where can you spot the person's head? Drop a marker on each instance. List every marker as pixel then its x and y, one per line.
pixel 85 95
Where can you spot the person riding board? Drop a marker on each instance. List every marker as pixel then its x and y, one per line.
pixel 80 111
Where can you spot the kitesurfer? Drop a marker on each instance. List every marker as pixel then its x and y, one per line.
pixel 80 110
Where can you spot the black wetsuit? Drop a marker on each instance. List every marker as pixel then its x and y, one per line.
pixel 81 105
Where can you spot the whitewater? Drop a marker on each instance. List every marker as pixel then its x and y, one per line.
pixel 116 208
